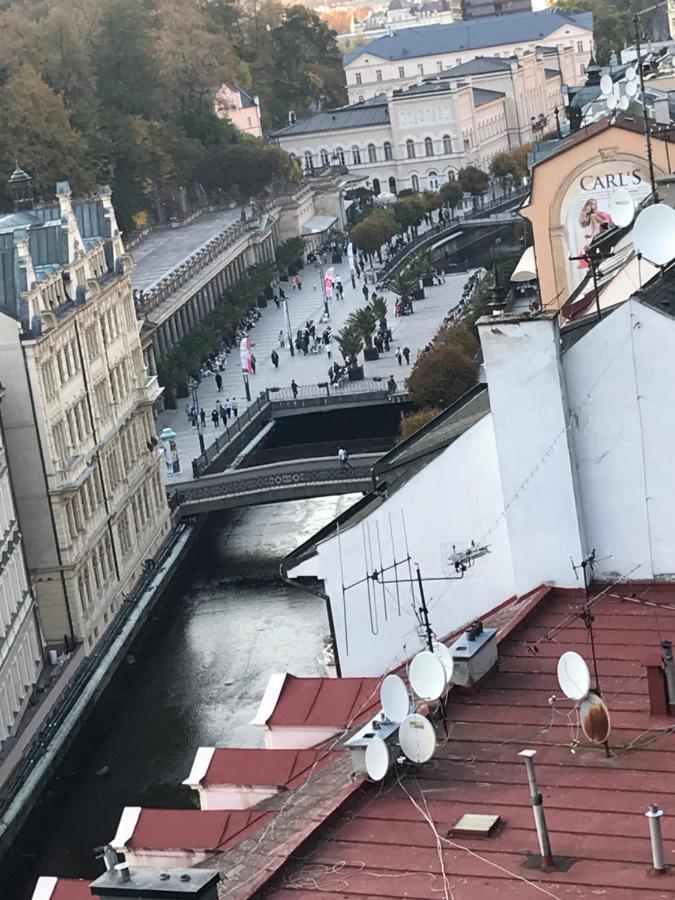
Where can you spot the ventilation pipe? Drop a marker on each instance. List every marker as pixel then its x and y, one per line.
pixel 538 808
pixel 654 815
pixel 669 670
pixel 122 870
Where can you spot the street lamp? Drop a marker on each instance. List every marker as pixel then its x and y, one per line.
pixel 193 384
pixel 289 333
pixel 323 291
pixel 244 375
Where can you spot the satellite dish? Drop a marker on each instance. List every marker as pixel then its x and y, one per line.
pixel 631 88
pixel 377 759
pixel 621 206
pixel 417 738
pixel 606 84
pixel 612 102
pixel 394 698
pixel 631 74
pixel 595 720
pixel 442 653
pixel 427 676
pixel 624 103
pixel 654 234
pixel 573 676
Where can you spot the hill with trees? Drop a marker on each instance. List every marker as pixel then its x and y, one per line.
pixel 121 91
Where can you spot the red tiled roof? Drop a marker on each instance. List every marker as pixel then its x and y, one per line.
pixel 195 829
pixel 384 847
pixel 326 701
pixel 231 765
pixel 71 889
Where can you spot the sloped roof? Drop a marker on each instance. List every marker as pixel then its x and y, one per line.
pixel 481 65
pixel 396 834
pixel 195 829
pixel 325 702
pixel 474 34
pixel 358 115
pixel 481 96
pixel 257 766
pixel 51 888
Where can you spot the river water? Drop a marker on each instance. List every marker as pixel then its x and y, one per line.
pixel 195 677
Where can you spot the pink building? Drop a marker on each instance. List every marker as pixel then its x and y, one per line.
pixel 233 103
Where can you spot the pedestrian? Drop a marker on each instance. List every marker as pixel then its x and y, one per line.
pixel 223 413
pixel 277 302
pixel 228 408
pixel 294 388
pixel 219 381
pixel 346 454
pixel 391 384
pixel 275 359
pixel 399 356
pixel 364 291
pixel 235 408
pixel 282 294
pixel 202 416
pixel 253 363
pixel 406 353
pixel 342 457
pixel 215 418
pixel 281 339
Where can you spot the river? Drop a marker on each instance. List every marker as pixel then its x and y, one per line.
pixel 194 677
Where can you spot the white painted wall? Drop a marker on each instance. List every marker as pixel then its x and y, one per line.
pixel 455 498
pixel 527 399
pixel 623 431
pixel 297 737
pixel 231 796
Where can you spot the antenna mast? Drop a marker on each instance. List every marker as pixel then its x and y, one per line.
pixel 586 615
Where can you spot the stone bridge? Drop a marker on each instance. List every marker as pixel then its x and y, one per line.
pixel 288 480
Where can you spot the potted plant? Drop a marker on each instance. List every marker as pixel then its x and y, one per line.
pixel 350 342
pixel 364 321
pixel 379 307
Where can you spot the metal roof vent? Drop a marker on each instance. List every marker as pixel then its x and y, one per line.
pixel 474 654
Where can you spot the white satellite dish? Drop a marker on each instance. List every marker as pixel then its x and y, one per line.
pixel 654 234
pixel 631 74
pixel 573 676
pixel 631 88
pixel 624 103
pixel 594 718
pixel 612 102
pixel 427 676
pixel 621 207
pixel 606 84
pixel 444 655
pixel 417 738
pixel 377 759
pixel 394 698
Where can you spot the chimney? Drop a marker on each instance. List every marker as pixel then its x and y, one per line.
pixel 21 190
pixel 528 401
pixel 156 884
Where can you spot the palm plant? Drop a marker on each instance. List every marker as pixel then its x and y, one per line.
pixel 350 342
pixel 364 321
pixel 379 307
pixel 403 284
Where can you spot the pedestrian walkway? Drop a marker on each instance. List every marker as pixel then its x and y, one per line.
pixel 413 332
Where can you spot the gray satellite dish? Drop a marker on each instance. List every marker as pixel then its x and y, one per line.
pixel 606 84
pixel 377 759
pixel 573 676
pixel 631 74
pixel 594 718
pixel 444 655
pixel 427 676
pixel 612 102
pixel 394 698
pixel 621 207
pixel 624 103
pixel 631 88
pixel 654 234
pixel 417 738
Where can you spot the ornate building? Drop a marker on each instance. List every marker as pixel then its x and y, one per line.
pixel 78 410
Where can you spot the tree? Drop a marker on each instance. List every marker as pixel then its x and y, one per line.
pixel 379 307
pixel 441 375
pixel 409 212
pixel 413 421
pixel 350 342
pixel 35 131
pixel 473 181
pixel 612 23
pixel 247 165
pixel 364 322
pixel 288 252
pixel 510 166
pixel 375 230
pixel 452 194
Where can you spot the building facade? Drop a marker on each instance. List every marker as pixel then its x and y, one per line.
pixel 402 58
pixel 21 650
pixel 474 9
pixel 420 137
pixel 78 411
pixel 233 103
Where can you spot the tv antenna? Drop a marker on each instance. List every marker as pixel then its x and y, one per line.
pixel 587 567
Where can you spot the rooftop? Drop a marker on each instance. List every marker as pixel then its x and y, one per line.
pixel 395 838
pixel 475 34
pixel 193 829
pixel 482 96
pixel 318 702
pixel 481 65
pixel 374 111
pixel 232 765
pixel 51 888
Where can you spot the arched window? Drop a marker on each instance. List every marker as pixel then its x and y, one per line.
pixel 451 175
pixel 410 149
pixel 392 185
pixel 324 157
pixel 447 143
pixel 356 156
pixel 309 165
pixel 432 181
pixel 428 146
pixel 372 153
pixel 415 183
pixel 340 154
pixel 376 187
pixel 387 150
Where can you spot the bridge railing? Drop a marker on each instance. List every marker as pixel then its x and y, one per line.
pixel 324 449
pixel 326 389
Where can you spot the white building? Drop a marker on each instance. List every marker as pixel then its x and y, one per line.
pixel 78 411
pixel 568 449
pixel 21 652
pixel 421 136
pixel 402 58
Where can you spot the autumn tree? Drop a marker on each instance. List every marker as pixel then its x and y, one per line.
pixel 375 230
pixel 474 181
pixel 409 212
pixel 445 371
pixel 452 194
